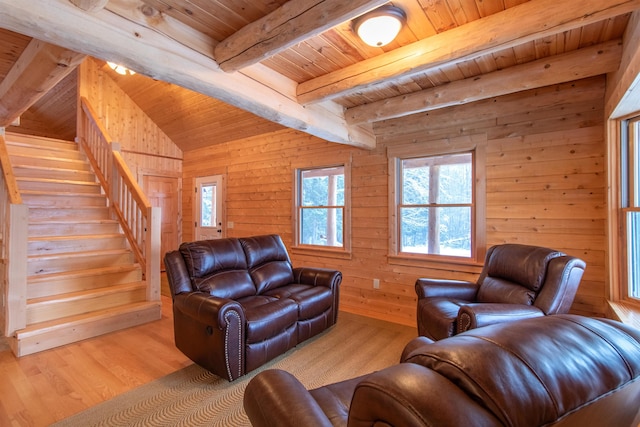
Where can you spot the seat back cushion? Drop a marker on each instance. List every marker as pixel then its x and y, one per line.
pixel 218 267
pixel 523 381
pixel 268 261
pixel 502 291
pixel 177 275
pixel 514 273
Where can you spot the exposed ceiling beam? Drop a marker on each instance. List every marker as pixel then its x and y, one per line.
pixel 623 89
pixel 147 16
pixel 38 69
pixel 147 50
pixel 290 24
pixel 90 5
pixel 575 65
pixel 491 109
pixel 528 21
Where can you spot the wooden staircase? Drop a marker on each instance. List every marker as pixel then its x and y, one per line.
pixel 82 277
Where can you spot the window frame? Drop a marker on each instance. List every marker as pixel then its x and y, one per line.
pixel 320 250
pixel 475 144
pixel 629 196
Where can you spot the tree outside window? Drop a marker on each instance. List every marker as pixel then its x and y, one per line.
pixel 435 210
pixel 321 205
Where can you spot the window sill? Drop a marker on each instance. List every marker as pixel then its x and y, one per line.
pixel 321 252
pixel 448 264
pixel 626 312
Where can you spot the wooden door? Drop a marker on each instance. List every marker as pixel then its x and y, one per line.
pixel 163 192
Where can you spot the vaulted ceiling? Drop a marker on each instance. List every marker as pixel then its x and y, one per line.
pixel 210 71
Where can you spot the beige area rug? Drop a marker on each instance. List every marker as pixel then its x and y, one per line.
pixel 192 396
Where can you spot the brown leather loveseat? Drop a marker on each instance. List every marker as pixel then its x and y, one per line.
pixel 560 370
pixel 238 302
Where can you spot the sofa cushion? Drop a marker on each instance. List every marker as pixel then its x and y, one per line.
pixel 205 257
pixel 267 316
pixel 218 267
pixel 268 262
pixel 312 301
pixel 230 284
pixel 335 399
pixel 494 290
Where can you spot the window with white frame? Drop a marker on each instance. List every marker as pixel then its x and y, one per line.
pixel 630 201
pixel 321 202
pixel 437 203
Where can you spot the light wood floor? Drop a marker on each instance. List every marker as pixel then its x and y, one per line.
pixel 43 388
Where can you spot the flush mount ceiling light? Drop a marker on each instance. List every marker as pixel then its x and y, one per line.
pixel 380 26
pixel 120 69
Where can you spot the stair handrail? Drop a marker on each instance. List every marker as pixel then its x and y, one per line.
pixel 14 217
pixel 139 220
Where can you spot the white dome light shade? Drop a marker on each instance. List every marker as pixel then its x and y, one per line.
pixel 380 26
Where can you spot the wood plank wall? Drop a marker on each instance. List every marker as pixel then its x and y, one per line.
pixel 546 185
pixel 144 146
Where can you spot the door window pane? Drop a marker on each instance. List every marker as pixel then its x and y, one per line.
pixel 207 207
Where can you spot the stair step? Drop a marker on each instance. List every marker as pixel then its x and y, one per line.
pixel 27 150
pixel 70 244
pixel 79 213
pixel 49 162
pixel 73 227
pixel 45 285
pixel 57 185
pixel 56 263
pixel 42 199
pixel 47 335
pixel 75 303
pixel 39 141
pixel 54 173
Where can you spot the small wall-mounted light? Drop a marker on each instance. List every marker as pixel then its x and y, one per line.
pixel 120 69
pixel 380 26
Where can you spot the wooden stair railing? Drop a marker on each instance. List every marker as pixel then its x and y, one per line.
pixel 14 222
pixel 138 219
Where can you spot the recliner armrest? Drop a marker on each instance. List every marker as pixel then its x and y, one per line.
pixel 208 309
pixel 473 316
pixel 317 276
pixel 459 289
pixel 276 398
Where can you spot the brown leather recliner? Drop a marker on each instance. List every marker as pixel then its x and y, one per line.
pixel 517 282
pixel 238 302
pixel 562 371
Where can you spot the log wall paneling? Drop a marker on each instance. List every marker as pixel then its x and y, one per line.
pixel 546 185
pixel 143 144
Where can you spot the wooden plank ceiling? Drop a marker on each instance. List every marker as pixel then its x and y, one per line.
pixel 215 71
